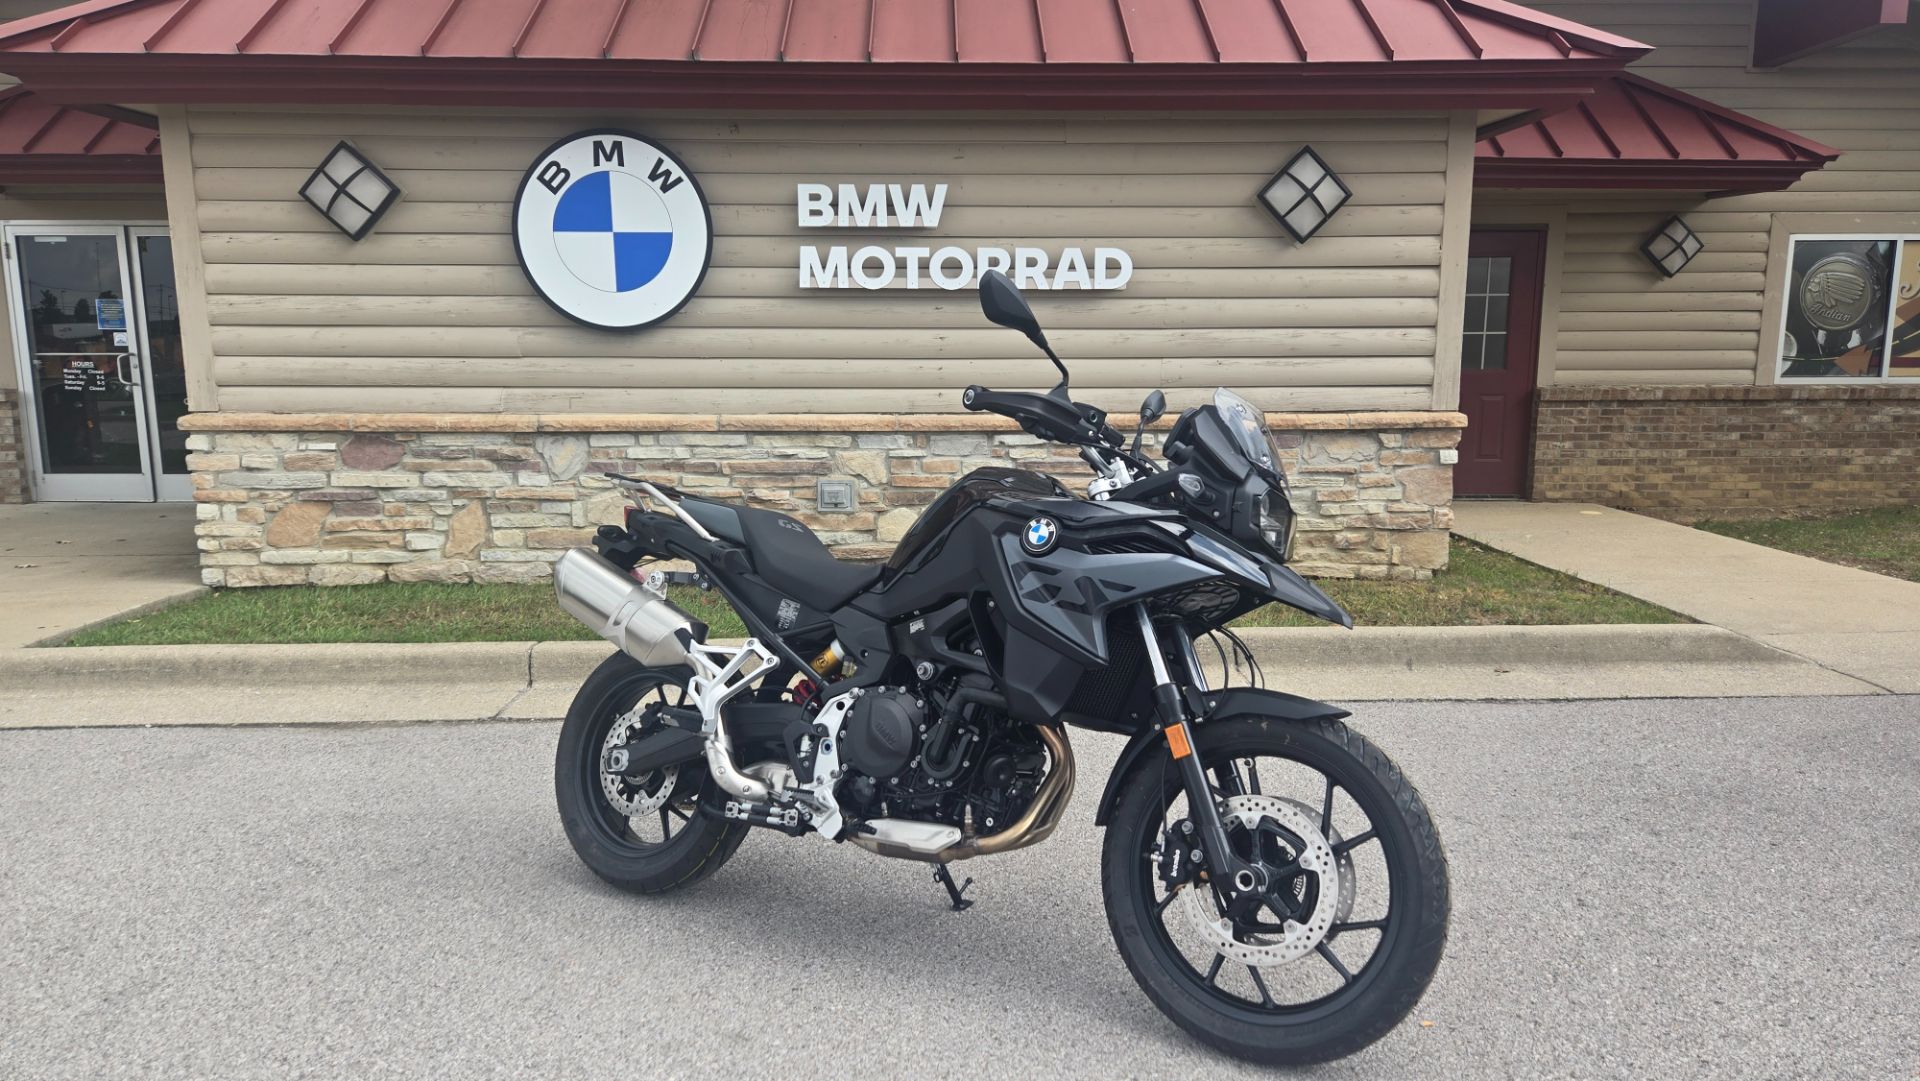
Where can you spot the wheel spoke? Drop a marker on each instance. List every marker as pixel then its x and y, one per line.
pixel 666 825
pixel 677 813
pixel 1266 999
pixel 1356 925
pixel 1161 905
pixel 1326 809
pixel 1345 976
pixel 1218 960
pixel 1352 843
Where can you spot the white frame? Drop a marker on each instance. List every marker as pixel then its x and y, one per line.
pixel 78 487
pixel 168 487
pixel 1900 241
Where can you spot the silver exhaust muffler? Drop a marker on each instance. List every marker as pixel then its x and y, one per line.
pixel 639 622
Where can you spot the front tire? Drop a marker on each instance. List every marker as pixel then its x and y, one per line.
pixel 636 852
pixel 1331 1002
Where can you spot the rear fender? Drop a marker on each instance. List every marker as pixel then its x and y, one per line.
pixel 1221 705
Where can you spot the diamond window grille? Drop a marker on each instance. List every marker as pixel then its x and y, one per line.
pixel 349 191
pixel 1672 247
pixel 1304 195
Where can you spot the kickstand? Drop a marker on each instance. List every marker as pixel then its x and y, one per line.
pixel 945 878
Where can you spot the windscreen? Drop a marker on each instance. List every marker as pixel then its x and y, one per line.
pixel 1248 426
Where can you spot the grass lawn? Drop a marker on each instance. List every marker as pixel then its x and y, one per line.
pixel 1481 587
pixel 1885 540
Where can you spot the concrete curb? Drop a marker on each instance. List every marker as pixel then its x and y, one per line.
pixel 530 663
pixel 118 667
pixel 1422 647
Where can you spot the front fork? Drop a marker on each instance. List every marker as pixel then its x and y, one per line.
pixel 1171 718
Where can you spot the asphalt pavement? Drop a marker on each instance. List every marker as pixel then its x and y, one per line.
pixel 1642 889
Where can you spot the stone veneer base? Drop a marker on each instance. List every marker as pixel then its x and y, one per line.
pixel 349 499
pixel 13 451
pixel 1691 451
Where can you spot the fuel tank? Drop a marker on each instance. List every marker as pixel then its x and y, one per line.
pixel 980 486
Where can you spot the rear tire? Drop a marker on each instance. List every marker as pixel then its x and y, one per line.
pixel 694 844
pixel 1377 996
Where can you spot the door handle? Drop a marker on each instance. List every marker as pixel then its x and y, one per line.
pixel 132 363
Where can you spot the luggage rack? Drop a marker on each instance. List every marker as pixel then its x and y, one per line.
pixel 648 489
pixel 663 494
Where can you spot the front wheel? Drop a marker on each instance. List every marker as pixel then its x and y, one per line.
pixel 1345 935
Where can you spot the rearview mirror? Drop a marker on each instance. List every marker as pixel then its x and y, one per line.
pixel 1003 304
pixel 1151 410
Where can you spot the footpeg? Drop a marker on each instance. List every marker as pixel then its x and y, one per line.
pixel 945 878
pixel 785 819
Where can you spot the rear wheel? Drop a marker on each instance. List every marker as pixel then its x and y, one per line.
pixel 1346 934
pixel 645 835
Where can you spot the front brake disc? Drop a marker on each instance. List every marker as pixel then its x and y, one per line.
pixel 1298 937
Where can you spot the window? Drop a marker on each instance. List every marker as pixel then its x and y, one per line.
pixel 1852 309
pixel 1489 288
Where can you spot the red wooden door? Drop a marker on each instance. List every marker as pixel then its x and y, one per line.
pixel 1499 361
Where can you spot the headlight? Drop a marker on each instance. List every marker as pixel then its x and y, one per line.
pixel 1277 522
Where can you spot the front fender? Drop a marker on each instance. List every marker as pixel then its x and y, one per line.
pixel 1221 705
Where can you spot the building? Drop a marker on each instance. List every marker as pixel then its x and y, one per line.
pixel 387 286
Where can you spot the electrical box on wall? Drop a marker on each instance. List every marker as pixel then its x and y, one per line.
pixel 835 495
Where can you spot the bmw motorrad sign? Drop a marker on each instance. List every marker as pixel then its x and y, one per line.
pixel 612 229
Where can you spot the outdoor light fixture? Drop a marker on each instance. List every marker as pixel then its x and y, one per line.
pixel 1672 247
pixel 1304 195
pixel 349 191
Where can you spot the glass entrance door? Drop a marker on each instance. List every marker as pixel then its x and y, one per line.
pixel 164 364
pixel 92 402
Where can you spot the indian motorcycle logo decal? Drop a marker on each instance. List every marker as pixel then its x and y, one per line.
pixel 612 229
pixel 1837 291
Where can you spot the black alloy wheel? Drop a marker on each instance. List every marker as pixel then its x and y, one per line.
pixel 1346 933
pixel 648 834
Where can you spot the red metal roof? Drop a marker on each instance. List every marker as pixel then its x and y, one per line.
pixel 1363 50
pixel 43 143
pixel 1636 133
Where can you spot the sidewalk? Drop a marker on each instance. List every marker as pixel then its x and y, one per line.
pixel 1848 621
pixel 66 566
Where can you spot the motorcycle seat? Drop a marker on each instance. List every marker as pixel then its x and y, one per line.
pixel 786 554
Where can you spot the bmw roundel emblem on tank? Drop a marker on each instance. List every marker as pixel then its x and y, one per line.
pixel 1040 536
pixel 612 229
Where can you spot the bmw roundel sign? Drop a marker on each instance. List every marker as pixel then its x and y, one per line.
pixel 612 229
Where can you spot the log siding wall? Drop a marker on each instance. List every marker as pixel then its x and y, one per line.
pixel 1717 322
pixel 432 313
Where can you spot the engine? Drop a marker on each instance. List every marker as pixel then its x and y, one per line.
pixel 947 756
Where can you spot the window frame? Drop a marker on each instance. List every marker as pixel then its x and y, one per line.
pixel 1506 331
pixel 1900 240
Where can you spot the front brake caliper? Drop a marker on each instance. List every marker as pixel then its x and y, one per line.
pixel 1179 857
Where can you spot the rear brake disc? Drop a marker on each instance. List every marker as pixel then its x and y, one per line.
pixel 633 797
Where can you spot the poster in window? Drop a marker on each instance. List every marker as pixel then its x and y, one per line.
pixel 1837 309
pixel 1905 360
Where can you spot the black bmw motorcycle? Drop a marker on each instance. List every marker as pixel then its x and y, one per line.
pixel 1272 880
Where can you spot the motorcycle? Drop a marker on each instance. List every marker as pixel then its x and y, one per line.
pixel 1272 880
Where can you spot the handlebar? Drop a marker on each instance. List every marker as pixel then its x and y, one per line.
pixel 1053 416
